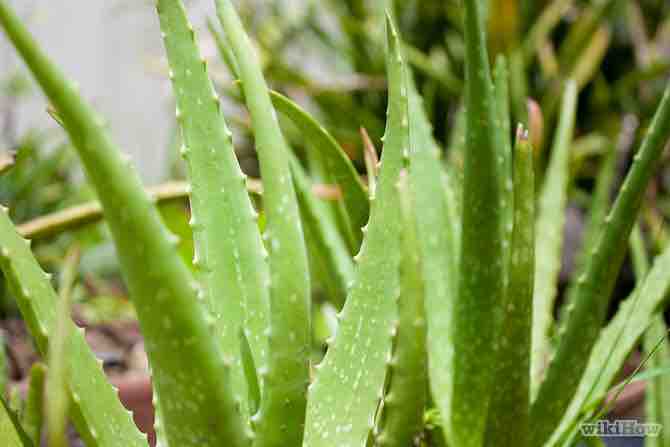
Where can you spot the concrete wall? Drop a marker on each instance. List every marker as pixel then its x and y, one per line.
pixel 112 48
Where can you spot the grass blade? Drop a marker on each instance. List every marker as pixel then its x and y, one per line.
pixel 349 383
pixel 550 223
pixel 583 322
pixel 508 423
pixel 282 414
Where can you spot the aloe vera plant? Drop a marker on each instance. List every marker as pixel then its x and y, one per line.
pixel 447 304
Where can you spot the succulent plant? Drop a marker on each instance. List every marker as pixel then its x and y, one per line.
pixel 448 300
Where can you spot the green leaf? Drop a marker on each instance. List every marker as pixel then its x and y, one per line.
pixel 550 222
pixel 32 416
pixel 11 434
pixel 657 393
pixel 438 234
pixel 580 332
pixel 615 343
pixel 406 399
pixel 328 250
pixel 481 277
pixel 354 208
pixel 4 366
pixel 657 350
pixel 96 411
pixel 508 423
pixel 225 51
pixel 249 366
pixel 282 414
pixel 503 126
pixel 228 249
pixel 600 204
pixel 154 273
pixel 58 374
pixel 349 383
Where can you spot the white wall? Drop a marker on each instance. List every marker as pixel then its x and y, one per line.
pixel 112 48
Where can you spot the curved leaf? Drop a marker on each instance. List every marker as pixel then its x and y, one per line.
pixel 349 383
pixel 229 251
pixel 336 165
pixel 282 414
pixel 582 326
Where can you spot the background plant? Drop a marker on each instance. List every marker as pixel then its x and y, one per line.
pixel 446 283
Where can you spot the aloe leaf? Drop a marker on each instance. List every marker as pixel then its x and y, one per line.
pixel 349 382
pixel 502 96
pixel 4 366
pixel 58 380
pixel 455 154
pixel 249 366
pixel 223 46
pixel 281 417
pixel 32 415
pixel 501 86
pixel 96 411
pixel 617 340
pixel 510 404
pixel 11 434
pixel 337 168
pixel 228 249
pixel 600 203
pixel 657 397
pixel 436 226
pixel 153 270
pixel 456 144
pixel 328 250
pixel 405 400
pixel 550 223
pixel 159 426
pixel 638 252
pixel 582 325
pixel 371 160
pixel 599 206
pixel 481 276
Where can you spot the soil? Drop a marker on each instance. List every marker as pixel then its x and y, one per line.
pixel 120 347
